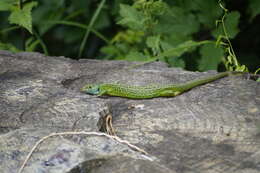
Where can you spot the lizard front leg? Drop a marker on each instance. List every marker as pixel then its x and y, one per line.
pixel 101 93
pixel 104 92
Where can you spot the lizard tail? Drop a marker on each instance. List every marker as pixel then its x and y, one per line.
pixel 197 82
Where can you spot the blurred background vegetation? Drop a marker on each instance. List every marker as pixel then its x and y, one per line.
pixel 183 33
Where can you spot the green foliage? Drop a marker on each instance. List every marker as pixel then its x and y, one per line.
pixel 154 43
pixel 19 16
pixel 207 11
pixel 180 32
pixel 48 10
pixel 91 23
pixel 22 16
pixel 177 21
pixel 131 18
pixel 165 32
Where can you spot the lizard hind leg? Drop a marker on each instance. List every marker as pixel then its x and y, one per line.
pixel 169 93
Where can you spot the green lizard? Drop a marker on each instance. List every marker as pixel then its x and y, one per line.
pixel 145 92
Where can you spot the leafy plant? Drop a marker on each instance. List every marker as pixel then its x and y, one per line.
pixel 157 31
pixel 160 32
pixel 154 30
pixel 46 17
pixel 181 33
pixel 20 14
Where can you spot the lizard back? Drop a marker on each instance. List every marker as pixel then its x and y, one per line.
pixel 132 91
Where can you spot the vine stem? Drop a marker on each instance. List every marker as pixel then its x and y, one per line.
pixel 226 34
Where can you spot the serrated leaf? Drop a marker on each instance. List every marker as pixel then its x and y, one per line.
pixel 23 16
pixel 231 23
pixel 211 56
pixel 254 8
pixel 131 17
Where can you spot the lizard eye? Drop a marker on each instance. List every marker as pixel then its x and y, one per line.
pixel 90 87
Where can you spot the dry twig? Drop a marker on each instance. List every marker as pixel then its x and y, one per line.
pixel 116 138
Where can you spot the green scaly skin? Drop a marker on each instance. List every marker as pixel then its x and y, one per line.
pixel 146 92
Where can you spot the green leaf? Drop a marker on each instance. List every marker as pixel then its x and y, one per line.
pixel 131 17
pixel 136 56
pixel 254 8
pixel 231 23
pixel 23 16
pixel 211 56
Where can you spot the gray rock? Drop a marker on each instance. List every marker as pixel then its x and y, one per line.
pixel 211 128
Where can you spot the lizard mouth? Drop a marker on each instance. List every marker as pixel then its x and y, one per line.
pixel 85 88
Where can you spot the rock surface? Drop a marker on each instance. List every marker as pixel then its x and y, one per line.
pixel 211 128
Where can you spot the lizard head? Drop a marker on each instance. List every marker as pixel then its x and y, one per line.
pixel 91 89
